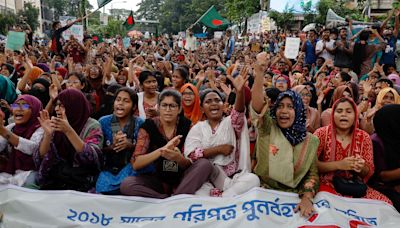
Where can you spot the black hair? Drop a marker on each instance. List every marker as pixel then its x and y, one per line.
pixel 388 81
pixel 183 72
pixel 204 93
pixel 386 67
pixel 132 95
pixel 313 91
pixel 55 24
pixel 345 76
pixel 272 93
pixel 170 93
pixel 144 75
pixel 360 52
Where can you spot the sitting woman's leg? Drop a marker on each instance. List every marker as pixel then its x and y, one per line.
pixel 143 185
pixel 195 176
pixel 240 183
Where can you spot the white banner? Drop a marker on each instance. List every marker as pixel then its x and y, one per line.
pixel 75 30
pixel 103 19
pixel 258 208
pixel 292 46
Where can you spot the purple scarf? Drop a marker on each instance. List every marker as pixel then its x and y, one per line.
pixel 17 159
pixel 77 109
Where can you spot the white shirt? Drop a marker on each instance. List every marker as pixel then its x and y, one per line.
pixel 26 146
pixel 325 54
pixel 190 43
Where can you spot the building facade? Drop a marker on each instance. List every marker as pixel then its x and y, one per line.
pixel 7 6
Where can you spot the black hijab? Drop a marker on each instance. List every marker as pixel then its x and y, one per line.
pixel 387 127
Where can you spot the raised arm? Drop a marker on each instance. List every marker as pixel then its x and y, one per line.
pixel 257 92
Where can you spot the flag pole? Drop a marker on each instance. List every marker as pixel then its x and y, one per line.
pixel 201 17
pixel 88 15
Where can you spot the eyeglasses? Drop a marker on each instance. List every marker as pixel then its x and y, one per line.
pixel 281 81
pixel 187 94
pixel 75 82
pixel 20 106
pixel 172 107
pixel 306 95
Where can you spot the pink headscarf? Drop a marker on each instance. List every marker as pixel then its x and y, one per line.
pixel 395 79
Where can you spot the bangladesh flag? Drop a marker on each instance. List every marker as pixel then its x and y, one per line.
pixel 213 19
pixel 130 21
pixel 102 3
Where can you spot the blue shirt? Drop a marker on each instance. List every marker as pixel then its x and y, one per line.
pixel 389 55
pixel 310 56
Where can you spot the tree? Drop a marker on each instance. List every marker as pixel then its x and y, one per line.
pixel 149 9
pixel 284 19
pixel 7 20
pixel 239 10
pixel 338 6
pixel 31 15
pixel 309 13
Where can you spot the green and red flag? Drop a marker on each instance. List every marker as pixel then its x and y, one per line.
pixel 102 3
pixel 213 19
pixel 130 21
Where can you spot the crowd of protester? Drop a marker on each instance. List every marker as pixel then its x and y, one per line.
pixel 219 119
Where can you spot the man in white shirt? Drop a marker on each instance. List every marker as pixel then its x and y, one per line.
pixel 190 41
pixel 326 46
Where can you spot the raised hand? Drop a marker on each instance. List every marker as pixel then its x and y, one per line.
pixel 173 142
pixel 61 123
pixel 241 79
pixel 201 76
pixel 53 92
pixel 45 122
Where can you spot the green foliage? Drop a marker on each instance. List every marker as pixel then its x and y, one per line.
pixel 284 19
pixel 31 15
pixel 309 12
pixel 6 21
pixel 113 28
pixel 149 9
pixel 238 10
pixel 338 7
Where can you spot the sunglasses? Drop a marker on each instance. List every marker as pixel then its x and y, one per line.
pixel 20 106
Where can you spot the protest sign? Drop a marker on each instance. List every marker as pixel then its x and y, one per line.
pixel 292 46
pixel 15 40
pixel 127 42
pixel 23 207
pixel 75 30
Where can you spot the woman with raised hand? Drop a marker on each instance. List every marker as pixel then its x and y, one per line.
pixel 20 140
pixel 285 153
pixel 345 153
pixel 120 131
pixel 225 142
pixel 160 142
pixel 70 154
